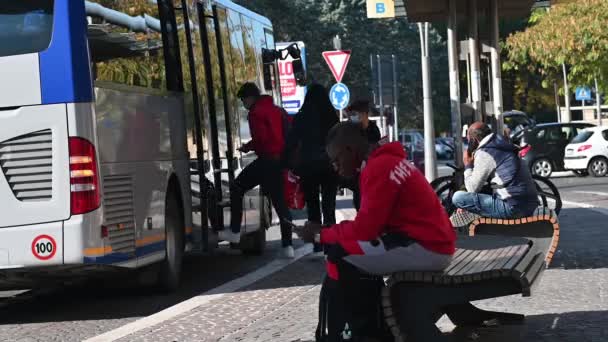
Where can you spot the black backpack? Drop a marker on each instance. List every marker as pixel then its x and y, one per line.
pixel 346 315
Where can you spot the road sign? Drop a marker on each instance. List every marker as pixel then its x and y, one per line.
pixel 337 61
pixel 291 93
pixel 380 8
pixel 339 96
pixel 583 94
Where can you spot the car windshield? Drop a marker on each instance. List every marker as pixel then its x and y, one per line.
pixel 25 26
pixel 582 137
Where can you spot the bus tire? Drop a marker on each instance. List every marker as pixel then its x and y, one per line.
pixel 171 267
pixel 255 243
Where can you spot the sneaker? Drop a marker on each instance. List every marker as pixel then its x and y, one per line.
pixel 288 252
pixel 228 235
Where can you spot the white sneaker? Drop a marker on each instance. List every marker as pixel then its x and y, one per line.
pixel 228 235
pixel 288 252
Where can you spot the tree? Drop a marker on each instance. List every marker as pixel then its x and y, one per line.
pixel 316 22
pixel 574 34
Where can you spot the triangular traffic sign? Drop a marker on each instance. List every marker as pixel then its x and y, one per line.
pixel 337 61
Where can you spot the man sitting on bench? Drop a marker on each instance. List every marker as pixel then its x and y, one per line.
pixel 491 158
pixel 400 226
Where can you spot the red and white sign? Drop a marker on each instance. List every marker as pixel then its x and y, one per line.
pixel 44 247
pixel 337 61
pixel 291 93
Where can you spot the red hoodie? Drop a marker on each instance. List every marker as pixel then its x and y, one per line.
pixel 266 127
pixel 395 197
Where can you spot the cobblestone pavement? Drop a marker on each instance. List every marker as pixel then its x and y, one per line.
pixel 569 304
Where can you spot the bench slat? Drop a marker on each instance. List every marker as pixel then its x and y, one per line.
pixel 517 256
pixel 493 269
pixel 478 271
pixel 445 279
pixel 463 262
pixel 475 262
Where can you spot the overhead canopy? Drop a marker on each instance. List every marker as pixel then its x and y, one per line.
pixel 437 10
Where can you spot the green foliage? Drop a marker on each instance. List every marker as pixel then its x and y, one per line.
pixel 574 33
pixel 316 22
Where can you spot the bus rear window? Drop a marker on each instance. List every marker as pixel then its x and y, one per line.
pixel 25 26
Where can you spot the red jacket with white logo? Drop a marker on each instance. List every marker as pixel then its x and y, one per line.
pixel 266 127
pixel 395 197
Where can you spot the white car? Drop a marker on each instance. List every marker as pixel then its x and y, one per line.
pixel 588 152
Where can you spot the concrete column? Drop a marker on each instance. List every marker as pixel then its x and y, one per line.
pixel 496 67
pixel 430 157
pixel 454 82
pixel 567 117
pixel 475 73
pixel 598 104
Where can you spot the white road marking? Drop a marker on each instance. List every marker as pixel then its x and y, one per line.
pixel 598 193
pixel 586 206
pixel 208 296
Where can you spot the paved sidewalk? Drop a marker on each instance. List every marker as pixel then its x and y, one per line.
pixel 570 304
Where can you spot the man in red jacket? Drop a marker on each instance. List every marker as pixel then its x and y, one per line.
pixel 267 141
pixel 401 224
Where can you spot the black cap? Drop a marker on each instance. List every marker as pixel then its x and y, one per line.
pixel 248 89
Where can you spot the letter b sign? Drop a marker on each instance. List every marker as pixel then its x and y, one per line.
pixel 380 8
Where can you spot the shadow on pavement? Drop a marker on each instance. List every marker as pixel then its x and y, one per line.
pixel 563 327
pixel 583 240
pixel 117 298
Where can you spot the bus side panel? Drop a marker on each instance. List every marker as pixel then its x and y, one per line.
pixel 141 145
pixel 31 246
pixel 35 175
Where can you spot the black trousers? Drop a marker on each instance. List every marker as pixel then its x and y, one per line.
pixel 342 308
pixel 318 178
pixel 353 185
pixel 268 174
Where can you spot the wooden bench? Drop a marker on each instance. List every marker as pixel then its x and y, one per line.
pixel 542 228
pixel 501 259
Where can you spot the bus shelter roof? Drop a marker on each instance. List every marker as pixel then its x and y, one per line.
pixel 437 10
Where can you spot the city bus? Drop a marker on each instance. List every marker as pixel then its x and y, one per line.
pixel 119 133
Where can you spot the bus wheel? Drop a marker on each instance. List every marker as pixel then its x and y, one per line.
pixel 171 267
pixel 255 243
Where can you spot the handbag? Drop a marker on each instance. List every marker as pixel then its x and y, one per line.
pixel 293 192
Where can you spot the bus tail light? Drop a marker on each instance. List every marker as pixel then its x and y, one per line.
pixel 84 177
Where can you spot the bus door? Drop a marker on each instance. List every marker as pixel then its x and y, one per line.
pixel 193 87
pixel 221 124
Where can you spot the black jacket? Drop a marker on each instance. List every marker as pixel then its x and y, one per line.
pixel 373 133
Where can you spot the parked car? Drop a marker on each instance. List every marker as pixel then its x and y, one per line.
pixel 413 143
pixel 517 121
pixel 543 145
pixel 444 147
pixel 587 153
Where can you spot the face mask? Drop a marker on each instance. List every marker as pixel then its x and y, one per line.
pixel 355 119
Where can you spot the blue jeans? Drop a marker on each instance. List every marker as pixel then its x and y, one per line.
pixel 485 205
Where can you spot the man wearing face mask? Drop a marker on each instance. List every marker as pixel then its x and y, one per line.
pixel 492 159
pixel 358 112
pixel 267 141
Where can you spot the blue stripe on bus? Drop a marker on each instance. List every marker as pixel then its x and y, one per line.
pixel 114 258
pixel 65 75
pixel 151 248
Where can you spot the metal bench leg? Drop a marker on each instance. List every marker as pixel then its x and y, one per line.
pixel 470 315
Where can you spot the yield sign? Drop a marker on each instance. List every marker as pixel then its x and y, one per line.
pixel 337 61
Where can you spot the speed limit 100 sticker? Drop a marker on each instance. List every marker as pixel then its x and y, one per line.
pixel 44 247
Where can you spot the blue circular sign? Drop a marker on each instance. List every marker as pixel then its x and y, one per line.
pixel 339 96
